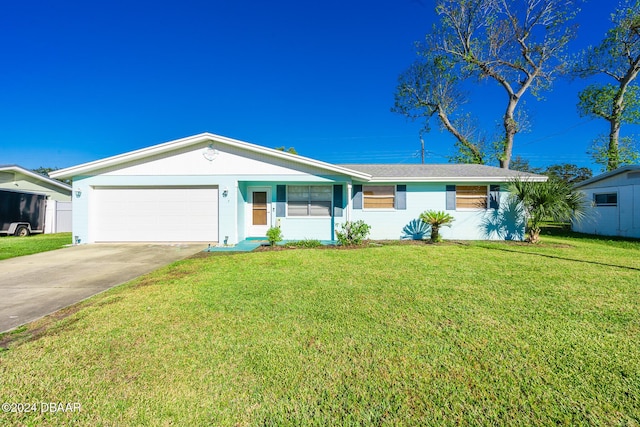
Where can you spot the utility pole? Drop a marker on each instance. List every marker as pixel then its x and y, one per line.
pixel 422 147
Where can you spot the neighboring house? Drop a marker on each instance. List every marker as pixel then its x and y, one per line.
pixel 58 210
pixel 209 188
pixel 615 198
pixel 13 177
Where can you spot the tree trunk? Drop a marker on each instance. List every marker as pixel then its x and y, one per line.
pixel 613 153
pixel 510 130
pixel 435 231
pixel 534 235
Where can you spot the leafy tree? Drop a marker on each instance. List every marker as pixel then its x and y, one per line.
pixel 571 174
pixel 429 88
pixel 521 164
pixel 519 44
pixel 290 150
pixel 553 199
pixel 627 150
pixel 45 171
pixel 437 220
pixel 617 57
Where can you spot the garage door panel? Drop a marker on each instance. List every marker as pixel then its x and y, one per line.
pixel 155 214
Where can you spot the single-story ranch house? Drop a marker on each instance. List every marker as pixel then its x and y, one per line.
pixel 615 197
pixel 209 188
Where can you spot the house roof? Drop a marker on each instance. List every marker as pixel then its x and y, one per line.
pixel 622 169
pixel 34 175
pixel 362 172
pixel 199 139
pixel 440 173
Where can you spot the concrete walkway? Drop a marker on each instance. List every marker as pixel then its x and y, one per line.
pixel 33 286
pixel 244 246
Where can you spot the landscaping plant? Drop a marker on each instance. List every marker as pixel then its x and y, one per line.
pixel 551 200
pixel 305 243
pixel 353 233
pixel 436 219
pixel 274 235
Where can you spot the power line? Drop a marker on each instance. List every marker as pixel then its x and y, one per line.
pixel 561 132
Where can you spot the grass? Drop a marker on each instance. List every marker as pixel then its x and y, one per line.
pixel 460 333
pixel 11 246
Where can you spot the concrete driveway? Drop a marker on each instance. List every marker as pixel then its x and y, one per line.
pixel 33 286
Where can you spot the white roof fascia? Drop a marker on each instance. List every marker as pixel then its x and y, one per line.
pixel 36 176
pixel 609 174
pixel 196 139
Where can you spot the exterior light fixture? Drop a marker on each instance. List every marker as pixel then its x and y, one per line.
pixel 225 192
pixel 78 192
pixel 210 153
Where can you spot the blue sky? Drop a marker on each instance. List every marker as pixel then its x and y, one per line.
pixel 86 80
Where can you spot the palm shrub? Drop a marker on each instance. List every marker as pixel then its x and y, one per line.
pixel 437 220
pixel 554 199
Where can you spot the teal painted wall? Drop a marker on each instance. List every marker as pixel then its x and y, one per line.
pixel 468 225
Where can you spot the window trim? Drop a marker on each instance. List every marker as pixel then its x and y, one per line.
pixel 605 204
pixel 364 197
pixel 309 216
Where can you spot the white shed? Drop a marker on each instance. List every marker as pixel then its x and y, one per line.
pixel 615 198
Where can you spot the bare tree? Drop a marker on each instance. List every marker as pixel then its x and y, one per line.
pixel 519 44
pixel 430 88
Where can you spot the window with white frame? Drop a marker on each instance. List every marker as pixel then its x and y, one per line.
pixel 471 196
pixel 309 200
pixel 605 199
pixel 379 196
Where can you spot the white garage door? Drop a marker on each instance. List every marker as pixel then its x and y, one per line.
pixel 154 214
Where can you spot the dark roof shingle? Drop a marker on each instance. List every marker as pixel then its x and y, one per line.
pixel 436 171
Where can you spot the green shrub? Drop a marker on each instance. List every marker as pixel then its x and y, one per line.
pixel 274 235
pixel 306 243
pixel 353 233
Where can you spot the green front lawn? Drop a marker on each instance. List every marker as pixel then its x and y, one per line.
pixel 11 246
pixel 477 333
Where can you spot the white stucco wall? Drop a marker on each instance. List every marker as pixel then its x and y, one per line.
pixel 228 161
pixel 233 170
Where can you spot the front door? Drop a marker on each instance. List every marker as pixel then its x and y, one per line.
pixel 259 211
